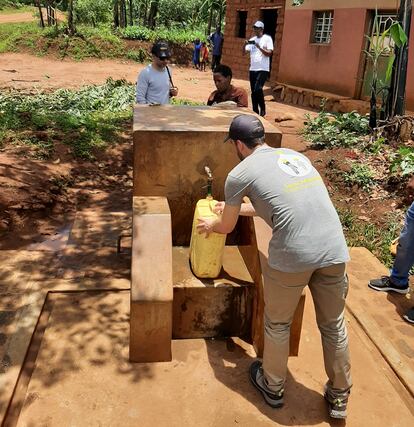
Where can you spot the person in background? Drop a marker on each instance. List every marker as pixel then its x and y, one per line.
pixel 217 40
pixel 154 81
pixel 225 90
pixel 289 194
pixel 196 53
pixel 398 280
pixel 203 56
pixel 260 48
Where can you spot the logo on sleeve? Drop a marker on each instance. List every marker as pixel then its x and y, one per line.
pixel 294 165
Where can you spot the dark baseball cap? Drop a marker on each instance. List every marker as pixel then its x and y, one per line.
pixel 245 127
pixel 161 50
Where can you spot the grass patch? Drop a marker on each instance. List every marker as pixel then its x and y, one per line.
pixel 88 43
pixel 376 239
pixel 86 120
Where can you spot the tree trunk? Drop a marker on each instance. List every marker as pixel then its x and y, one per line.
pixel 373 105
pixel 220 19
pixel 116 14
pixel 42 22
pixel 71 25
pixel 210 21
pixel 152 14
pixel 131 13
pixel 121 13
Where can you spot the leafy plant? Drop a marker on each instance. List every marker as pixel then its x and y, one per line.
pixel 328 130
pixel 360 175
pixel 379 46
pixel 173 35
pixel 375 238
pixel 84 119
pixel 140 55
pixel 403 161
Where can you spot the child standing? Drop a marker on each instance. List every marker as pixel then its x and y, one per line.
pixel 203 56
pixel 196 53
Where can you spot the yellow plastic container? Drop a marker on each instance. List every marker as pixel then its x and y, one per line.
pixel 206 254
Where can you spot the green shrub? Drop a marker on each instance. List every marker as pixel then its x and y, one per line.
pixel 140 55
pixel 360 175
pixel 403 161
pixel 332 130
pixel 375 238
pixel 173 35
pixel 84 119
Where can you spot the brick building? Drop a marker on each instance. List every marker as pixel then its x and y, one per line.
pixel 240 17
pixel 319 46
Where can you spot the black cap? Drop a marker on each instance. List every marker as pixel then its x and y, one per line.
pixel 161 50
pixel 245 127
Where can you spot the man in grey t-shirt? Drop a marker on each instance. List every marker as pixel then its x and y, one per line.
pixel 154 84
pixel 307 248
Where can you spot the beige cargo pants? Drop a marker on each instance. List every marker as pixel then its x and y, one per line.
pixel 282 291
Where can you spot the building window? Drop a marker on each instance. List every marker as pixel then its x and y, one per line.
pixel 241 24
pixel 383 22
pixel 322 27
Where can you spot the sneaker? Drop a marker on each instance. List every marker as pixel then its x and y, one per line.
pixel 337 407
pixel 409 316
pixel 385 284
pixel 275 400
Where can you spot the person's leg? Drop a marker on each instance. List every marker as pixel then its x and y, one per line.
pixel 214 62
pixel 282 292
pixel 260 82
pixel 404 260
pixel 218 59
pixel 329 287
pixel 253 78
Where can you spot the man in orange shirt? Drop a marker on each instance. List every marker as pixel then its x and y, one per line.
pixel 225 90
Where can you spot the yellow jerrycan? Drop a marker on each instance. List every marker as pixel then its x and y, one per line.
pixel 206 254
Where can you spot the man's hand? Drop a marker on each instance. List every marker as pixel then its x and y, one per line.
pixel 219 208
pixel 205 226
pixel 174 91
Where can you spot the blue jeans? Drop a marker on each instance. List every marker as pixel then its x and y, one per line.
pixel 405 251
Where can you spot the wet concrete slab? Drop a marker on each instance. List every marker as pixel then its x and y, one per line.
pixel 82 377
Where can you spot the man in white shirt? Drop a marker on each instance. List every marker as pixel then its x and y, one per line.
pixel 260 48
pixel 154 84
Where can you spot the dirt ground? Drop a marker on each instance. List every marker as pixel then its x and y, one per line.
pixel 11 18
pixel 38 196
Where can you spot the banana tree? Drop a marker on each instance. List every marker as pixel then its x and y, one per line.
pixel 379 46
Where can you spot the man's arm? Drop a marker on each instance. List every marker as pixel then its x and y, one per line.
pixel 242 98
pixel 246 47
pixel 142 88
pixel 224 224
pixel 211 98
pixel 268 50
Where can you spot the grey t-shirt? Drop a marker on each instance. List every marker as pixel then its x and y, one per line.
pixel 153 86
pixel 289 194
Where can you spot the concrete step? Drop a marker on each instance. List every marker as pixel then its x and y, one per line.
pixel 211 307
pixel 379 314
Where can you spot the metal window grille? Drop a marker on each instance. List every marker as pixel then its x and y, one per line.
pixel 385 20
pixel 323 22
